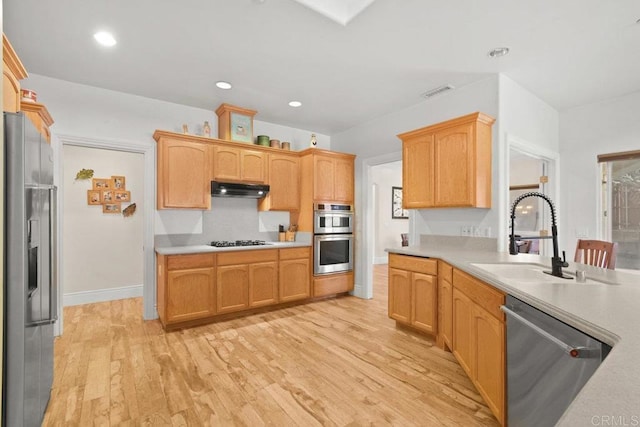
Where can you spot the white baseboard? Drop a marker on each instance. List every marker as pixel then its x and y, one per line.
pixel 381 259
pixel 100 295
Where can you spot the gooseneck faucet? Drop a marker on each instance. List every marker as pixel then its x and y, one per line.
pixel 556 262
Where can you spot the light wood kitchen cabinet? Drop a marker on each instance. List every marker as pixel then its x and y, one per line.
pixel 184 172
pixel 238 164
pixel 327 176
pixel 12 72
pixel 448 164
pixel 332 284
pixel 246 279
pixel 186 287
pixel 413 292
pixel 294 274
pixel 39 116
pixel 445 304
pixel 284 181
pixel 479 338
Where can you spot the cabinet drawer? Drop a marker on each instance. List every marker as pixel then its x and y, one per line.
pixel 247 257
pixel 181 262
pixel 445 271
pixel 414 263
pixel 482 294
pixel 332 284
pixel 295 253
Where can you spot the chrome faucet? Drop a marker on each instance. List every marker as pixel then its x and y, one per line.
pixel 556 262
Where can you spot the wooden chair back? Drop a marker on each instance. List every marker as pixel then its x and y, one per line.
pixel 596 252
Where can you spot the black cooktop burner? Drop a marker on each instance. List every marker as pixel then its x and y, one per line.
pixel 228 244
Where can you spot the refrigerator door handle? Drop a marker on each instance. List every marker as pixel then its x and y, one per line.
pixel 53 253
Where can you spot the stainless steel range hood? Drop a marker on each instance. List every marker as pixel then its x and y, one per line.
pixel 232 189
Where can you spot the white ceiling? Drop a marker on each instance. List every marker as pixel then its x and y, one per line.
pixel 568 52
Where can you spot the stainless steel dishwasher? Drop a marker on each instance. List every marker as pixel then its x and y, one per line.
pixel 548 362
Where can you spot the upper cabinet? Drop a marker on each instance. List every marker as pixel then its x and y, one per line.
pixel 284 180
pixel 328 175
pixel 448 164
pixel 12 72
pixel 184 171
pixel 238 164
pixel 39 116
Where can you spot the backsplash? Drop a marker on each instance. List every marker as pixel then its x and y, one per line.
pixel 228 219
pixel 460 242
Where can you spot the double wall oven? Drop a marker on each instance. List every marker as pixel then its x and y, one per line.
pixel 333 238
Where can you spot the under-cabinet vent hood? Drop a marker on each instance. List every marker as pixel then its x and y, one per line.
pixel 232 189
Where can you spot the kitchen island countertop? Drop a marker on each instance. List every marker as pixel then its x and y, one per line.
pixel 195 249
pixel 608 312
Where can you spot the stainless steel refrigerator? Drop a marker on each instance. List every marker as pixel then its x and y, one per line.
pixel 30 286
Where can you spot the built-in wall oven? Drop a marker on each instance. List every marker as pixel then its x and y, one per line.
pixel 333 238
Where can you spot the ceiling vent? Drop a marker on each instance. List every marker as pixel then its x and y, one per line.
pixel 437 91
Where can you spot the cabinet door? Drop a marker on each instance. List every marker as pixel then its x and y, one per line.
pixel 295 279
pixel 343 180
pixel 454 152
pixel 424 299
pixel 463 331
pixel 284 180
pixel 324 175
pixel 253 166
pixel 226 163
pixel 184 175
pixel 263 284
pixel 445 302
pixel 417 172
pixel 190 294
pixel 489 348
pixel 233 288
pixel 400 295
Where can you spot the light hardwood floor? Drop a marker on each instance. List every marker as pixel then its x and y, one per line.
pixel 334 362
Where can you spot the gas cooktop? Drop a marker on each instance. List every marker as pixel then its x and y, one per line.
pixel 231 243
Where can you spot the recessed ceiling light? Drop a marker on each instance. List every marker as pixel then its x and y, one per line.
pixel 105 38
pixel 498 52
pixel 223 85
pixel 295 104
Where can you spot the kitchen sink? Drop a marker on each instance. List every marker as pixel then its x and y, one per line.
pixel 532 273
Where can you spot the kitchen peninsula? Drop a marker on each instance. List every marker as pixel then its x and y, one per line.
pixel 605 310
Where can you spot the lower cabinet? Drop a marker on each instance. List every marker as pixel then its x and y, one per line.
pixel 186 287
pixel 413 292
pixel 295 274
pixel 246 279
pixel 479 338
pixel 445 304
pixel 332 284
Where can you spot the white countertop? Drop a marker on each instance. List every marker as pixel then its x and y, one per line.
pixel 195 249
pixel 608 312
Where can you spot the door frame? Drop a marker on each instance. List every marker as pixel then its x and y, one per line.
pixel 147 149
pixel 553 188
pixel 365 235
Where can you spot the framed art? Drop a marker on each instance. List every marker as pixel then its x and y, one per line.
pixel 122 195
pixel 94 197
pixel 101 183
pixel 118 182
pixel 235 123
pixel 107 196
pixel 111 208
pixel 397 212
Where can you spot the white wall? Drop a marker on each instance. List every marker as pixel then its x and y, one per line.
pixel 101 251
pixel 606 127
pixel 387 229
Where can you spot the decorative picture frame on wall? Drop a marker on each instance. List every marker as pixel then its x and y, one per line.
pixel 397 211
pixel 94 197
pixel 107 196
pixel 119 182
pixel 101 183
pixel 111 208
pixel 122 195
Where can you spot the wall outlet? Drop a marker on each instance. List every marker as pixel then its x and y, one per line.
pixel 466 230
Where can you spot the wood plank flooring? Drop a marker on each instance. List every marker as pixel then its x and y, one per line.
pixel 338 362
